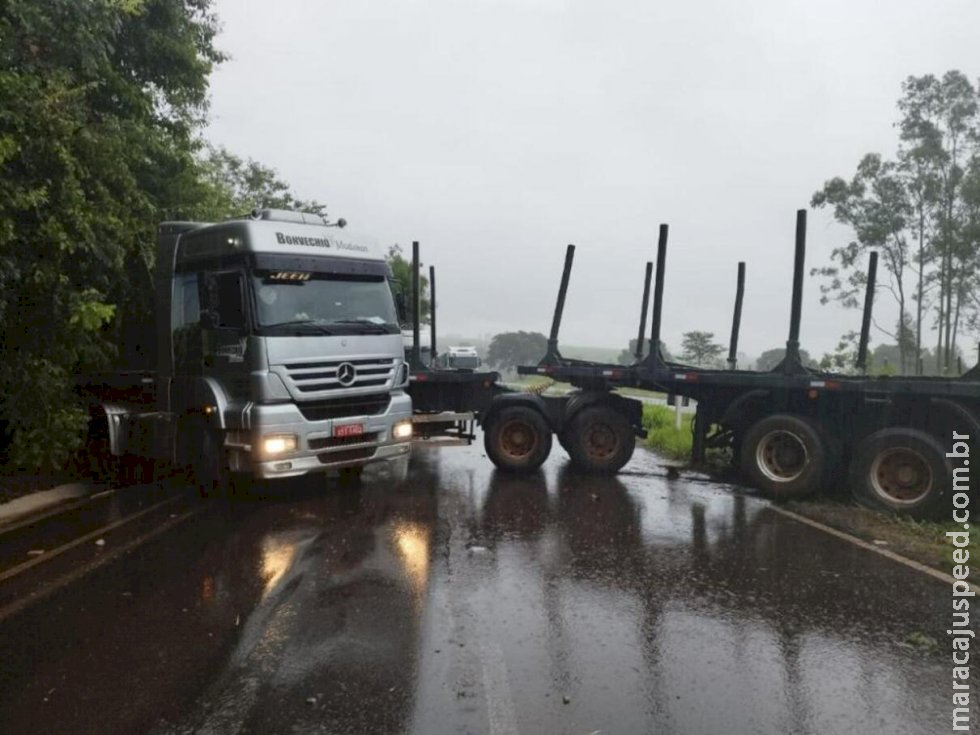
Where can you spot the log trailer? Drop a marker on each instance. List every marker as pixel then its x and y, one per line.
pixel 793 430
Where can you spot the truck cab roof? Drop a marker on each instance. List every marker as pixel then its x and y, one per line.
pixel 280 232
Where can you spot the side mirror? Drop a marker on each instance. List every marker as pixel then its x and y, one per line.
pixel 401 306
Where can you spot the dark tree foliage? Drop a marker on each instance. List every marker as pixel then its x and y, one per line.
pixel 510 349
pixel 100 101
pixel 401 270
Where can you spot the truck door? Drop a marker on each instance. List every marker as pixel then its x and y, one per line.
pixel 225 327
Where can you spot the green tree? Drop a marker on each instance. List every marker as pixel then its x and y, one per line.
pixel 875 205
pixel 99 104
pixel 401 270
pixel 700 348
pixel 510 349
pixel 240 185
pixel 920 212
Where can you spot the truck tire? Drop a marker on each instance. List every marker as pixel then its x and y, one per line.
pixel 900 470
pixel 599 440
pixel 209 465
pixel 518 439
pixel 784 456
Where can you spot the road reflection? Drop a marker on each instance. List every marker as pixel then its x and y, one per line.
pixel 658 605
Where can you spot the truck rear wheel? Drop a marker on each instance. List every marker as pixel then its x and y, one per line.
pixel 600 440
pixel 900 470
pixel 518 439
pixel 784 456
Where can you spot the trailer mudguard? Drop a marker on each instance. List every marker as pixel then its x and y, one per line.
pixel 629 407
pixel 738 406
pixel 504 400
pixel 961 413
pixel 115 416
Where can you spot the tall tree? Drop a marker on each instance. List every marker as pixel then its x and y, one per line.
pixel 916 211
pixel 939 129
pixel 875 205
pixel 700 348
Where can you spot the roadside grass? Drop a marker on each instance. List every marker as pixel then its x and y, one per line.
pixel 663 434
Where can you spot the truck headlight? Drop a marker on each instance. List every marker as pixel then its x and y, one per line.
pixel 402 430
pixel 275 444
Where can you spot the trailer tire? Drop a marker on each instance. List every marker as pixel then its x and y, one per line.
pixel 784 456
pixel 209 465
pixel 901 470
pixel 518 439
pixel 599 440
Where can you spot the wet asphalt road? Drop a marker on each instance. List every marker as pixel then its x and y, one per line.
pixel 461 600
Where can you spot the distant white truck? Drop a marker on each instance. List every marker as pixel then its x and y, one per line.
pixel 462 357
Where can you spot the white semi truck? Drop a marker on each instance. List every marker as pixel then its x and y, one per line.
pixel 278 353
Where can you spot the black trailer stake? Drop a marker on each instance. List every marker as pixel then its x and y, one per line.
pixel 791 363
pixel 432 316
pixel 552 356
pixel 737 316
pixel 869 299
pixel 658 296
pixel 416 308
pixel 643 312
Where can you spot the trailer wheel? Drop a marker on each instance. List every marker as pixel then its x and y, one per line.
pixel 209 466
pixel 900 470
pixel 518 439
pixel 600 440
pixel 783 456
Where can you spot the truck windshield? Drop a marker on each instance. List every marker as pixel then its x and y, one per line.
pixel 323 303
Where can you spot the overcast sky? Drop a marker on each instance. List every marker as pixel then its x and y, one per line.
pixel 497 132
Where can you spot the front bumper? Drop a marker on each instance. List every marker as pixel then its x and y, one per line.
pixel 317 448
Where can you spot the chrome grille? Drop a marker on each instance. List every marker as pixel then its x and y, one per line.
pixel 309 376
pixel 337 408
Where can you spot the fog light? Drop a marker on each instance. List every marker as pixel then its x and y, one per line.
pixel 274 444
pixel 402 430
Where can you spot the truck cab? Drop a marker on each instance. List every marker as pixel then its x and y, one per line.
pixel 278 352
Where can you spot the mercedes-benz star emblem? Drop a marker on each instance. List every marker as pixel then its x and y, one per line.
pixel 346 373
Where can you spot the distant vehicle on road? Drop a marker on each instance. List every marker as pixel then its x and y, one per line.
pixel 461 357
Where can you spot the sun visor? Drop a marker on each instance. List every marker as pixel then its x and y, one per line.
pixel 319 264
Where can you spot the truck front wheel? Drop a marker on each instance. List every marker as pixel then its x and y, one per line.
pixel 518 439
pixel 600 440
pixel 784 456
pixel 209 465
pixel 900 470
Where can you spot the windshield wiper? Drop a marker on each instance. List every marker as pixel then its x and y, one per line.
pixel 373 327
pixel 320 329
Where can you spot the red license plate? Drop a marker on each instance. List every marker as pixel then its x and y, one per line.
pixel 348 430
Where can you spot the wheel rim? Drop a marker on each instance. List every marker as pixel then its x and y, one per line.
pixel 600 441
pixel 518 439
pixel 781 456
pixel 901 476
